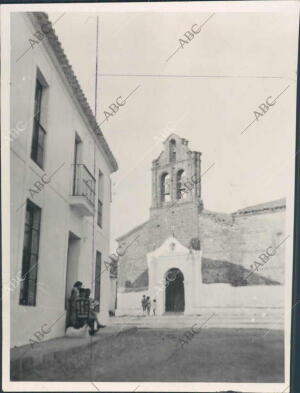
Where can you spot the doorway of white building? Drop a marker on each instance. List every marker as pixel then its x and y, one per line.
pixel 72 264
pixel 175 301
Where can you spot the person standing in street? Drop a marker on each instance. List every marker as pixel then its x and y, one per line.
pixel 144 304
pixel 154 306
pixel 148 305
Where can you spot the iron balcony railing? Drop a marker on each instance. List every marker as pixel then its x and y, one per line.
pixel 84 183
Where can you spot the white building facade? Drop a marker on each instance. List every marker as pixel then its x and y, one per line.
pixel 60 186
pixel 175 277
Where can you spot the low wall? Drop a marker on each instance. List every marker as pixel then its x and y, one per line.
pixel 225 295
pixel 214 296
pixel 129 303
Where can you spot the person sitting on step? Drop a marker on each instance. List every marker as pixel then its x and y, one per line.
pixel 92 315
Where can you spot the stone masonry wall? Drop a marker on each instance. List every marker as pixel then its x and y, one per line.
pixel 242 239
pixel 252 235
pixel 238 239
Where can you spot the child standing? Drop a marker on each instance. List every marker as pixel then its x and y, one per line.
pixel 154 306
pixel 144 304
pixel 148 305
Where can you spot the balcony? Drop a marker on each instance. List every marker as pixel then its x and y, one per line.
pixel 83 192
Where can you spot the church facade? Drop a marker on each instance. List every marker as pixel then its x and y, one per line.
pixel 190 259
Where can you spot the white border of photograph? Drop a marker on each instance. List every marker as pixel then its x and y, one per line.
pixel 219 7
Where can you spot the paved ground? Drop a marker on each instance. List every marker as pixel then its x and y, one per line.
pixel 143 354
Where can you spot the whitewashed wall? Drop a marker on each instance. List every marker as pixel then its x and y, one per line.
pixel 211 296
pixel 63 120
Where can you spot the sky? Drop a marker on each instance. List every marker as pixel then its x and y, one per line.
pixel 206 92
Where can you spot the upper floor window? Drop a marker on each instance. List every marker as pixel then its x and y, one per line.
pixel 30 254
pixel 172 150
pixel 165 195
pixel 100 199
pixel 39 133
pixel 180 188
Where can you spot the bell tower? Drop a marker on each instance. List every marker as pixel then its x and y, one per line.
pixel 176 175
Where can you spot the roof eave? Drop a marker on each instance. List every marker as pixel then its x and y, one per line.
pixel 43 19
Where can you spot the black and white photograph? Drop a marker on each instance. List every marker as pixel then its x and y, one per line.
pixel 148 191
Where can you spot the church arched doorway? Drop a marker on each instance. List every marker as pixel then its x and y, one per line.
pixel 174 300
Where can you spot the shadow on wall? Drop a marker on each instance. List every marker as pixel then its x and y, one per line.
pixel 216 271
pixel 213 271
pixel 139 284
